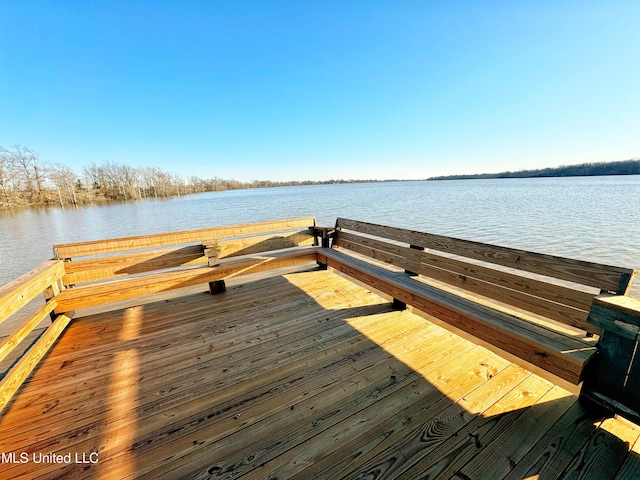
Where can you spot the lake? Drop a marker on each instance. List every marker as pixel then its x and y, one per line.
pixel 590 218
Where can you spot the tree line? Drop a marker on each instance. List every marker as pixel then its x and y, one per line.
pixel 27 180
pixel 624 167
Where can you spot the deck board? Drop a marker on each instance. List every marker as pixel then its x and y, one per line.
pixel 305 375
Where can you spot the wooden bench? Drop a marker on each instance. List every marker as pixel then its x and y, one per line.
pixel 105 271
pixel 530 305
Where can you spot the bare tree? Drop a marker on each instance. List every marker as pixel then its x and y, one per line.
pixel 5 169
pixel 65 181
pixel 33 170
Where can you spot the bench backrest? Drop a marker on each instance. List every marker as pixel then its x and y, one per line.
pixel 500 273
pixel 120 257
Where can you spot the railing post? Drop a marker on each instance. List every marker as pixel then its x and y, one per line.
pixel 409 272
pixel 612 377
pixel 324 234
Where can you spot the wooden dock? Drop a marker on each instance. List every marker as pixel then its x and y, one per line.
pixel 305 375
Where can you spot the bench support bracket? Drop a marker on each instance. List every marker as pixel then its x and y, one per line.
pixel 217 287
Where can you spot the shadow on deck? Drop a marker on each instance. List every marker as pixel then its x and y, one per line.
pixel 305 375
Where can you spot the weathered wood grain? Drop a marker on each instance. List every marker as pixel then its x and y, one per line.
pixel 303 376
pixel 96 247
pixel 560 303
pixel 16 294
pixel 495 458
pixel 561 355
pixel 617 314
pixel 133 263
pixel 605 277
pixel 630 470
pixel 13 340
pixel 14 379
pixel 556 450
pixel 605 452
pixel 117 290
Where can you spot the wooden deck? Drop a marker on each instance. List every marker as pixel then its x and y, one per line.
pixel 304 376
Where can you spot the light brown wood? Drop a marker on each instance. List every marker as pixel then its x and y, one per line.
pixel 101 268
pixel 554 301
pixel 13 340
pixel 79 249
pixel 302 376
pixel 605 277
pixel 97 294
pixel 561 355
pixel 628 305
pixel 264 243
pixel 498 456
pixel 113 266
pixel 511 278
pixel 21 370
pixel 16 294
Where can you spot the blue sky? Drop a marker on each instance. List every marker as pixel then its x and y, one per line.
pixel 294 90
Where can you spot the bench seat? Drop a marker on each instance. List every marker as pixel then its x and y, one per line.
pixel 560 354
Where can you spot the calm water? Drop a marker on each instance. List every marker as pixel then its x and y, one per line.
pixel 594 218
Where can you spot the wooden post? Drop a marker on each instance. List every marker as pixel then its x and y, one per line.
pixel 211 250
pixel 50 292
pixel 217 287
pixel 327 234
pixel 612 378
pixel 398 305
pixel 408 272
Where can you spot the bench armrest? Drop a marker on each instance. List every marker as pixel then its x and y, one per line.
pixel 617 314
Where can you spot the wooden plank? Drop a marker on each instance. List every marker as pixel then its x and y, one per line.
pixel 80 363
pixel 265 243
pixel 91 295
pixel 23 368
pixel 449 383
pixel 496 458
pixel 630 470
pixel 315 423
pixel 605 451
pixel 101 268
pixel 463 269
pixel 13 340
pixel 616 321
pixel 174 396
pixel 563 356
pixel 294 460
pixel 627 306
pixel 201 386
pixel 475 426
pixel 144 416
pixel 552 301
pixel 16 294
pixel 79 249
pixel 555 451
pixel 369 379
pixel 187 392
pixel 605 277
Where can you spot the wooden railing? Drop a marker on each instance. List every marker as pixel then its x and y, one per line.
pixel 43 280
pixel 104 271
pixel 107 271
pixel 511 300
